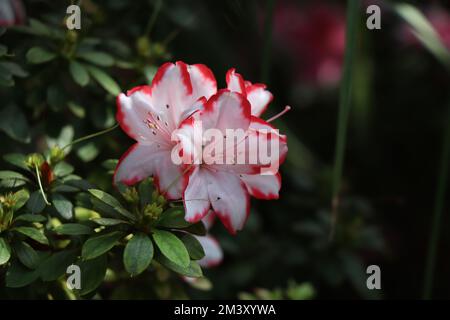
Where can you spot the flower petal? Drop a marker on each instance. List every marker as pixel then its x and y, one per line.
pixel 171 92
pixel 141 161
pixel 196 200
pixel 259 98
pixel 209 219
pixel 203 81
pixel 263 186
pixel 235 82
pixel 229 199
pixel 273 137
pixel 226 110
pixel 132 113
pixel 213 251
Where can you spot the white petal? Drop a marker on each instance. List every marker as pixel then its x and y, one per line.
pixel 213 251
pixel 229 199
pixel 235 82
pixel 208 220
pixel 132 113
pixel 262 186
pixel 171 93
pixel 196 200
pixel 141 161
pixel 226 110
pixel 259 98
pixel 203 82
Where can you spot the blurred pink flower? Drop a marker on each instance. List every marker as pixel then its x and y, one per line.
pixel 314 36
pixel 12 13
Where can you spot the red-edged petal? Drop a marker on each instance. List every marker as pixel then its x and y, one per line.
pixel 213 251
pixel 272 137
pixel 134 164
pixel 209 219
pixel 259 98
pixel 171 93
pixel 195 196
pixel 263 186
pixel 132 113
pixel 203 81
pixel 170 180
pixel 226 110
pixel 229 199
pixel 141 161
pixel 235 82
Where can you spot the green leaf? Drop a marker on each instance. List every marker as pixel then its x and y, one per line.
pixel 192 270
pixel 62 169
pixel 6 80
pixel 12 176
pixel 14 123
pixel 38 55
pixel 99 245
pixel 5 251
pixel 79 73
pixel 424 31
pixel 171 247
pixel 56 265
pixel 99 58
pixel 110 164
pixel 78 183
pixel 36 202
pixel 63 206
pixel 112 202
pixel 14 69
pixel 88 152
pixel 108 83
pixel 73 229
pixel 77 109
pixel 92 274
pixel 56 97
pixel 26 254
pixel 16 159
pixel 108 221
pixel 19 276
pixel 30 218
pixel 138 254
pixel 3 50
pixel 193 246
pixel 32 233
pixel 173 218
pixel 21 197
pixel 197 229
pixel 40 29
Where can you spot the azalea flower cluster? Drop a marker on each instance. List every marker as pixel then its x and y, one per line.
pixel 161 119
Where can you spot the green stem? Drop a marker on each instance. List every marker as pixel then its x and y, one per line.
pixel 265 63
pixel 90 136
pixel 38 175
pixel 438 209
pixel 344 107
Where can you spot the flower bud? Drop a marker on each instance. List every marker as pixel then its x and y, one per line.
pixel 143 46
pixel 131 195
pixel 34 160
pixel 152 211
pixel 56 155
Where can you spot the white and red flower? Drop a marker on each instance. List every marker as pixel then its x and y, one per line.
pixel 180 97
pixel 149 115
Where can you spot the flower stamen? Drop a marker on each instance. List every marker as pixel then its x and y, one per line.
pixel 286 109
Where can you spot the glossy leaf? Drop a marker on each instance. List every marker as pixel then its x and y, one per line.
pixel 138 254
